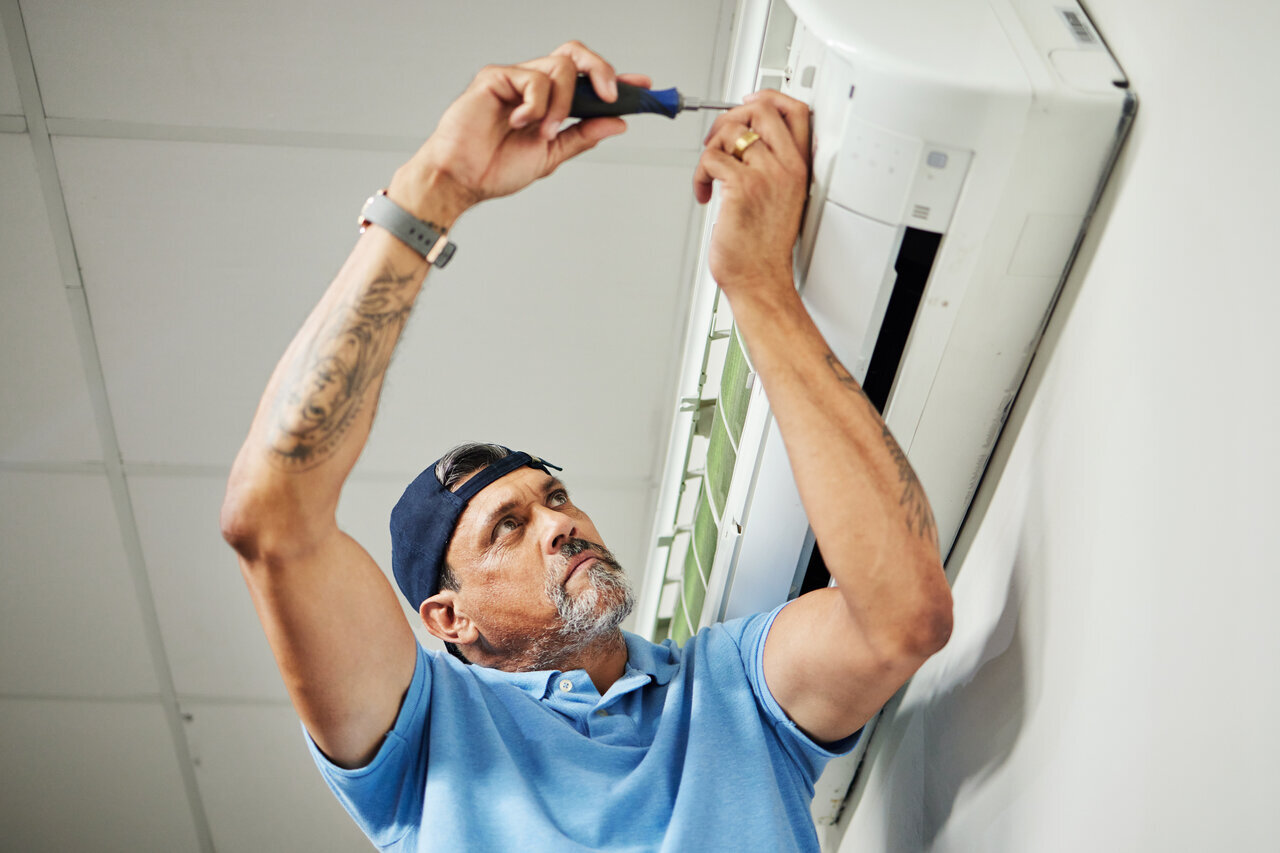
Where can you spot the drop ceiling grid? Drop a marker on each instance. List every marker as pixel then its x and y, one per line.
pixel 66 35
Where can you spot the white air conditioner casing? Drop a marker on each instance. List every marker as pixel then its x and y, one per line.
pixel 984 127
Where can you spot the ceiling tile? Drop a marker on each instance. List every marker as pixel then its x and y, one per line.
pixel 260 788
pixel 69 618
pixel 194 288
pixel 90 776
pixel 365 68
pixel 45 413
pixel 554 328
pixel 10 102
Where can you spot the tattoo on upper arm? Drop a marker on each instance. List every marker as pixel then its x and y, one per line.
pixel 912 499
pixel 320 399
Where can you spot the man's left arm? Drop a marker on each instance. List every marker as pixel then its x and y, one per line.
pixel 834 656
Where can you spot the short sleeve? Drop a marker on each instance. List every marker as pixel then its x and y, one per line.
pixel 750 633
pixel 385 796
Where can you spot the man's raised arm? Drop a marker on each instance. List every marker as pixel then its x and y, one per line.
pixel 834 656
pixel 344 649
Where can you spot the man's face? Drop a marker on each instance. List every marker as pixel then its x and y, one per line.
pixel 535 577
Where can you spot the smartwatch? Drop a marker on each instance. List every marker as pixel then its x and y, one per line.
pixel 423 237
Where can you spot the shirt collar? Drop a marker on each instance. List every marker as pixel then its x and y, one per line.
pixel 657 662
pixel 536 683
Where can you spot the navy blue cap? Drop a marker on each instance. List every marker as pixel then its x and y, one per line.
pixel 424 518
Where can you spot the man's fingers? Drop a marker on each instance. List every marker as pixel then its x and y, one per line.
pixel 582 136
pixel 644 81
pixel 564 78
pixel 603 78
pixel 727 135
pixel 714 165
pixel 529 87
pixel 775 133
pixel 794 113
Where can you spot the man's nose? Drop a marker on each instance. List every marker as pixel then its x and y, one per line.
pixel 554 528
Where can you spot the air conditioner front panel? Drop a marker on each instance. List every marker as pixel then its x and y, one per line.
pixel 855 254
pixel 950 119
pixel 924 39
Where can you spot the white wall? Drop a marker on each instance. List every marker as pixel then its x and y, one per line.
pixel 1112 683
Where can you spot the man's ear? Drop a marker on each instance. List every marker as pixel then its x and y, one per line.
pixel 444 620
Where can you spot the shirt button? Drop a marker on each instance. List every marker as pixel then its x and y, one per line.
pixel 566 685
pixel 602 713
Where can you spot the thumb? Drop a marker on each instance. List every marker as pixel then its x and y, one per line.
pixel 584 135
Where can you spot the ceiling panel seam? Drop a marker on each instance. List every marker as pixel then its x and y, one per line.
pixel 24 73
pixel 139 699
pixel 52 467
pixel 13 124
pixel 60 225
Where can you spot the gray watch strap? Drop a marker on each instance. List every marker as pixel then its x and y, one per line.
pixel 423 237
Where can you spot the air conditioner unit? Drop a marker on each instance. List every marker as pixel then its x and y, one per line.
pixel 959 149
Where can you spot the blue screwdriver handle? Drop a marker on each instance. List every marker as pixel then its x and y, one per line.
pixel 631 99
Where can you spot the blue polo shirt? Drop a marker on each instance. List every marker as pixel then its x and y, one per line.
pixel 688 751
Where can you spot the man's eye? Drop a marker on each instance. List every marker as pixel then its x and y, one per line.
pixel 507 525
pixel 559 497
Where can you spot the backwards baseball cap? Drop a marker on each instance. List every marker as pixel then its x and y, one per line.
pixel 424 519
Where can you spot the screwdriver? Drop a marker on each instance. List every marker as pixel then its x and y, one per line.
pixel 633 99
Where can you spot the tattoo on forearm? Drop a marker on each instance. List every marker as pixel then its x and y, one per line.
pixel 912 499
pixel 845 377
pixel 319 402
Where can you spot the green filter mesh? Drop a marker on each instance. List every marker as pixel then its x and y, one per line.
pixel 679 625
pixel 721 458
pixel 734 392
pixel 695 588
pixel 705 532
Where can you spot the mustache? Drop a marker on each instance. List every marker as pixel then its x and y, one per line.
pixel 574 547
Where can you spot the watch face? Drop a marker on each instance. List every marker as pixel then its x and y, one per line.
pixel 362 220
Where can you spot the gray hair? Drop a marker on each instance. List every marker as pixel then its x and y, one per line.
pixel 466 459
pixel 454 467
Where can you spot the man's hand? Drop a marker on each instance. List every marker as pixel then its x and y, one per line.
pixel 762 195
pixel 504 132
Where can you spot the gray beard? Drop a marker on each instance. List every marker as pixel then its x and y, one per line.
pixel 589 616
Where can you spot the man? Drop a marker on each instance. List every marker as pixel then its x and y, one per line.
pixel 563 733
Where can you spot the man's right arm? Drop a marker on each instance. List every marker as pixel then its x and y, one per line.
pixel 331 618
pixel 344 650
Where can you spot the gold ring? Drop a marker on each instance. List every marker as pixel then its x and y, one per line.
pixel 743 142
